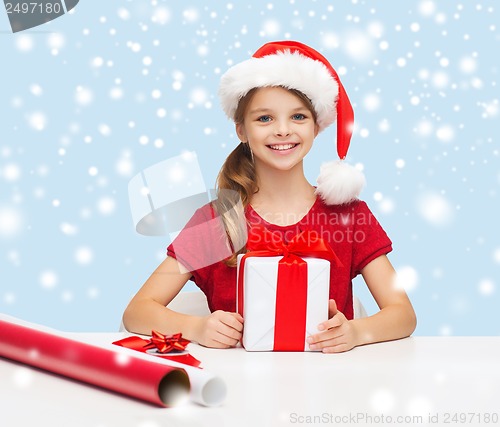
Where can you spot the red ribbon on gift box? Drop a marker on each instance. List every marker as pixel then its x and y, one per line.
pixel 291 289
pixel 164 344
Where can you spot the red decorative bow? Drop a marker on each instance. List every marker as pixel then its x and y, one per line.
pixel 167 343
pixel 262 242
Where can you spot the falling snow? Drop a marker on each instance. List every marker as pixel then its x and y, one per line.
pixel 383 401
pixel 48 279
pixel 435 209
pixel 406 278
pixel 99 97
pixel 10 222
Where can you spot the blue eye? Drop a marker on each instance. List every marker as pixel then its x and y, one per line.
pixel 264 119
pixel 298 116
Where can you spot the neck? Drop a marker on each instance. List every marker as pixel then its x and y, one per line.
pixel 277 187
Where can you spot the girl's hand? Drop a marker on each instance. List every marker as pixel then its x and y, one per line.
pixel 337 333
pixel 220 329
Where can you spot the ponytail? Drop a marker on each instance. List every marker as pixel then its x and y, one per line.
pixel 236 183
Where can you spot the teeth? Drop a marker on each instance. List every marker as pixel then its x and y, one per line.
pixel 282 147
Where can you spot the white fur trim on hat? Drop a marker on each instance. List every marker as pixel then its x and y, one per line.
pixel 287 69
pixel 339 183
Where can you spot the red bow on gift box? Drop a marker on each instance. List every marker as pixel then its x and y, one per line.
pixel 167 343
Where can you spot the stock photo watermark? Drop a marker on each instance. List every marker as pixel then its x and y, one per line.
pixel 24 15
pixel 364 418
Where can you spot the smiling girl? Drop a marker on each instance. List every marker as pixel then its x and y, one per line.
pixel 280 100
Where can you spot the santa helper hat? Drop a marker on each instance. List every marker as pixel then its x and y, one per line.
pixel 294 65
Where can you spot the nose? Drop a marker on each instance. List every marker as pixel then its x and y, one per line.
pixel 282 128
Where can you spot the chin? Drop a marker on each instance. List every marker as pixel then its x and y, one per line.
pixel 282 166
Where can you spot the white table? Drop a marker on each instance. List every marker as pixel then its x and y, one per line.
pixel 415 377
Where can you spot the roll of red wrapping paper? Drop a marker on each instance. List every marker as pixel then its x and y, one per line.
pixel 142 379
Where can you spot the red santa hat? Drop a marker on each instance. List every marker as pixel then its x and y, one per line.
pixel 294 65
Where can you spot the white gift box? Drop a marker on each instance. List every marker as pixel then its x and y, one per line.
pixel 259 296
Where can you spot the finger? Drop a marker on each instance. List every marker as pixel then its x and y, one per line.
pixel 214 344
pixel 228 331
pixel 238 317
pixel 323 337
pixel 333 322
pixel 338 320
pixel 331 342
pixel 217 344
pixel 341 348
pixel 332 308
pixel 224 339
pixel 232 321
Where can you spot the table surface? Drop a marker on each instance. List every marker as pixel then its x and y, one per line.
pixel 448 379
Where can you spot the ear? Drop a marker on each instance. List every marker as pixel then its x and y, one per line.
pixel 240 131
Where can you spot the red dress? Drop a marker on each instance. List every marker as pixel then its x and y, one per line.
pixel 351 229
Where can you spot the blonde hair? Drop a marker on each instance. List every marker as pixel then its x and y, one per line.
pixel 238 175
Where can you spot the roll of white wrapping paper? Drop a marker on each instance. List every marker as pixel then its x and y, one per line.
pixel 207 389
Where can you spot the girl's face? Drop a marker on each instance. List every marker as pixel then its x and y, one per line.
pixel 279 128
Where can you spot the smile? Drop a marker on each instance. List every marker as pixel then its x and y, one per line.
pixel 282 147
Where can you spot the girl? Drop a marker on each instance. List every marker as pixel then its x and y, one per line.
pixel 279 100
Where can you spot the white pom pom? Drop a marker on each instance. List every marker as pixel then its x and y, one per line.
pixel 339 183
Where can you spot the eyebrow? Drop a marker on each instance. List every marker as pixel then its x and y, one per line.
pixel 269 110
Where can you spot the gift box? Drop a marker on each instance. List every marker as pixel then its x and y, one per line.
pixel 279 312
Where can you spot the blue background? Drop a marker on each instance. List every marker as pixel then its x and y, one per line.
pixel 92 98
